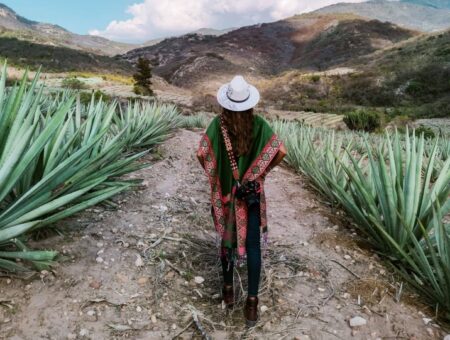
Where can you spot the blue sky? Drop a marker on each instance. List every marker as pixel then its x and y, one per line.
pixel 141 20
pixel 79 16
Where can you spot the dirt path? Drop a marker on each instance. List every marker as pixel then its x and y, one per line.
pixel 122 278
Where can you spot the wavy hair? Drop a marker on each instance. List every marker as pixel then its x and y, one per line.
pixel 240 129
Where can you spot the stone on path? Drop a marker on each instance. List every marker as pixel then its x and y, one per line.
pixel 357 321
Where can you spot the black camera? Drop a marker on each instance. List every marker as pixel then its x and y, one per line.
pixel 250 192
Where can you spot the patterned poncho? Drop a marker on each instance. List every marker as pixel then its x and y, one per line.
pixel 229 213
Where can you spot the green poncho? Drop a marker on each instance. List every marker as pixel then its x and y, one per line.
pixel 229 213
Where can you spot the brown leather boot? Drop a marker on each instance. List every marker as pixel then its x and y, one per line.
pixel 228 295
pixel 251 311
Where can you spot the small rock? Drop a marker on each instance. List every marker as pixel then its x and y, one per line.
pixel 99 260
pixel 346 296
pixel 90 312
pixel 447 337
pixel 357 321
pixel 430 332
pixel 142 281
pixel 264 309
pixel 199 280
pixel 84 332
pixel 139 262
pixel 95 284
pixel 174 327
pixel 426 321
pixel 347 257
pixel 138 309
pixel 99 244
pixel 302 337
pixel 153 318
pixel 8 281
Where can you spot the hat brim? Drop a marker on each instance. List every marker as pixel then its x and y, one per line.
pixel 228 104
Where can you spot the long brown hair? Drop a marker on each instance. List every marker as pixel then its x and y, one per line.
pixel 240 129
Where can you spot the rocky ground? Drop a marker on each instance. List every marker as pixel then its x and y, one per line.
pixel 147 269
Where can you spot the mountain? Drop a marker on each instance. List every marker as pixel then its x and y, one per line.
pixel 307 42
pixel 409 13
pixel 201 31
pixel 25 53
pixel 410 78
pixel 213 31
pixel 13 25
pixel 430 3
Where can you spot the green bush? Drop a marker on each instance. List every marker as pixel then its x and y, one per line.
pixel 315 78
pixel 86 97
pixel 73 83
pixel 363 120
pixel 427 132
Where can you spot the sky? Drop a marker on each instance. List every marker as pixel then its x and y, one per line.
pixel 142 20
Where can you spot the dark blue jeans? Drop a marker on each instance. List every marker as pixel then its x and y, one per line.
pixel 253 245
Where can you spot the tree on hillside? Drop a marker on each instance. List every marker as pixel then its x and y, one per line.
pixel 142 78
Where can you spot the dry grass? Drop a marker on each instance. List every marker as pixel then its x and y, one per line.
pixel 116 78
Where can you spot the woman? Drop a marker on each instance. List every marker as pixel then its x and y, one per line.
pixel 237 151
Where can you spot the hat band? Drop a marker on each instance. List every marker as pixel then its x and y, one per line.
pixel 239 101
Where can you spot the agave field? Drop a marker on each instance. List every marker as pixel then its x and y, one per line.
pixel 396 190
pixel 58 157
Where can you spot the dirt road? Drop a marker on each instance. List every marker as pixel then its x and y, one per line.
pixel 143 270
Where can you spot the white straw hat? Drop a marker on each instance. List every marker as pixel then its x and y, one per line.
pixel 238 95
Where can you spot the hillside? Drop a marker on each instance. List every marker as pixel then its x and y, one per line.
pixel 13 25
pixel 410 78
pixel 201 31
pixel 430 3
pixel 306 42
pixel 409 14
pixel 58 59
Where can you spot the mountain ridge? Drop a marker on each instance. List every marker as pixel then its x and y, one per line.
pixel 12 25
pixel 403 13
pixel 308 41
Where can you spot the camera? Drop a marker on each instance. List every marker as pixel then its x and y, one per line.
pixel 250 192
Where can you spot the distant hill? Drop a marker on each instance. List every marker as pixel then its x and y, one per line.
pixel 201 31
pixel 13 25
pixel 409 78
pixel 411 14
pixel 430 3
pixel 307 42
pixel 58 59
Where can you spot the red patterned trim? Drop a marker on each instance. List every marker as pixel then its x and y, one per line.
pixel 210 166
pixel 266 156
pixel 256 172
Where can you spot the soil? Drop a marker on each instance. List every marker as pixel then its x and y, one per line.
pixel 144 269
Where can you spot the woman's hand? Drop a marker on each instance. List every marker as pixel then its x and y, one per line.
pixel 200 159
pixel 279 157
pixel 277 160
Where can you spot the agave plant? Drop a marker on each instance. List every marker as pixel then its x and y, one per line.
pixel 55 163
pixel 146 124
pixel 392 189
pixel 199 120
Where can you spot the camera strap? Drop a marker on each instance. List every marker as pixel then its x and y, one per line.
pixel 229 148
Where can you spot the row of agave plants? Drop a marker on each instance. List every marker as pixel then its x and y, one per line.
pixel 58 157
pixel 395 188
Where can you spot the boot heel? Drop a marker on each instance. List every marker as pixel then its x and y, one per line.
pixel 250 324
pixel 251 312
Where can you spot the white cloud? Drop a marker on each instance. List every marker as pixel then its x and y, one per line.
pixel 158 18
